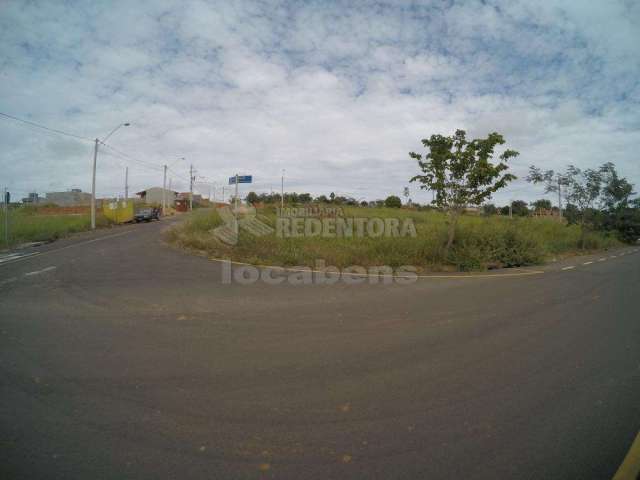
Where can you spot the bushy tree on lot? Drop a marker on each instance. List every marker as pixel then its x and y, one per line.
pixel 489 209
pixel 572 214
pixel 596 198
pixel 626 222
pixel 519 208
pixel 252 197
pixel 304 198
pixel 620 212
pixel 462 172
pixel 392 202
pixel 542 204
pixel 583 189
pixel 616 190
pixel 554 182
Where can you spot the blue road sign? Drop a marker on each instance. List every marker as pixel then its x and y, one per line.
pixel 241 179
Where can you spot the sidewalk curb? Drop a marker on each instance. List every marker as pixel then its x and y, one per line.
pixel 630 468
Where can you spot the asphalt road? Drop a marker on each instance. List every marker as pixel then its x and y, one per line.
pixel 122 358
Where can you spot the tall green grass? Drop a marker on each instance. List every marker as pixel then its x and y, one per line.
pixel 27 226
pixel 481 242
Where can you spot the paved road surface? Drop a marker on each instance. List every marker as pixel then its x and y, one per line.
pixel 121 358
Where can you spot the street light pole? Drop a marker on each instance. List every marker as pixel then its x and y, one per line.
pixel 93 174
pixel 235 200
pixel 93 185
pixel 191 187
pixel 282 191
pixel 164 191
pixel 6 216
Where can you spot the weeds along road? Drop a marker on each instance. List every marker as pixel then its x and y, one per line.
pixel 122 358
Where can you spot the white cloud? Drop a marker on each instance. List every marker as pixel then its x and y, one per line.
pixel 336 94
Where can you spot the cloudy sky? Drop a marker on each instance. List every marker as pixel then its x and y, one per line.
pixel 336 93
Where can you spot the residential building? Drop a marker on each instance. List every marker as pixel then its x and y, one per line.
pixel 153 196
pixel 73 198
pixel 197 198
pixel 32 198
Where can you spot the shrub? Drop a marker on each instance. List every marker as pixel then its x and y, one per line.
pixel 392 202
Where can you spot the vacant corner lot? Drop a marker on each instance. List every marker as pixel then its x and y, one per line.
pixel 481 242
pixel 33 225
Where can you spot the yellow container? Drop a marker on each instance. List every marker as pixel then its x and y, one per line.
pixel 120 211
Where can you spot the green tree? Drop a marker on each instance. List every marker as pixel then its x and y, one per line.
pixel 392 202
pixel 572 214
pixel 583 188
pixel 462 173
pixel 595 195
pixel 519 208
pixel 621 213
pixel 252 197
pixel 542 204
pixel 616 190
pixel 489 209
pixel 554 182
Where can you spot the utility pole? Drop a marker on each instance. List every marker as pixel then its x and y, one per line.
pixel 235 200
pixel 282 191
pixel 191 187
pixel 6 216
pixel 164 191
pixel 510 209
pixel 222 193
pixel 93 186
pixel 93 176
pixel 560 196
pixel 126 184
pixel 235 210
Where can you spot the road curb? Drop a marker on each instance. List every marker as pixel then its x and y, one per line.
pixel 630 468
pixel 367 275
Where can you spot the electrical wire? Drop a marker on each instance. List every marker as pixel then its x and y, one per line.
pixel 43 127
pixel 179 175
pixel 126 156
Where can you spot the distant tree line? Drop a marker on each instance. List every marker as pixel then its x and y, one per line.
pixel 293 198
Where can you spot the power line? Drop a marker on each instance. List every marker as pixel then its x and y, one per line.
pixel 43 127
pixel 126 156
pixel 178 174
